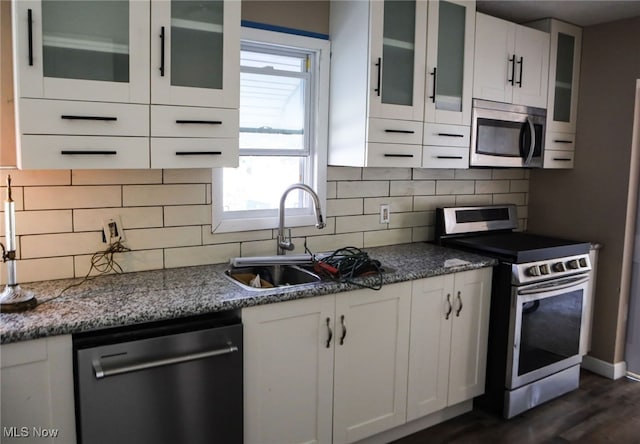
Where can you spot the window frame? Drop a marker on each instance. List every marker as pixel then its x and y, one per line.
pixel 317 157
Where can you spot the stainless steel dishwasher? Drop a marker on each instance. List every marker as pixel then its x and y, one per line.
pixel 166 382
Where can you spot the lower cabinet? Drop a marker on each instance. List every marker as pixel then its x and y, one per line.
pixel 449 330
pixel 344 367
pixel 37 391
pixel 326 369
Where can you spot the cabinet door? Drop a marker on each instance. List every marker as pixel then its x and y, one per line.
pixel 397 59
pixel 472 295
pixel 37 391
pixel 494 69
pixel 564 73
pixel 195 53
pixel 288 371
pixel 450 44
pixel 431 314
pixel 532 67
pixel 371 358
pixel 82 50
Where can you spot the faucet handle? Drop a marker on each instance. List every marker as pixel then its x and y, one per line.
pixel 285 242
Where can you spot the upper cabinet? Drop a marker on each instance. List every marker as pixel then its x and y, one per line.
pixel 449 81
pixel 562 103
pixel 377 82
pixel 105 62
pixel 511 62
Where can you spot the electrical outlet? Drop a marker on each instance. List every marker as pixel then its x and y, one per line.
pixel 112 229
pixel 385 210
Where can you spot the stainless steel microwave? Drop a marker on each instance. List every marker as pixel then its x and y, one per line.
pixel 506 135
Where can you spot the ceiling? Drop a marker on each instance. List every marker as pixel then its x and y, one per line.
pixel 579 12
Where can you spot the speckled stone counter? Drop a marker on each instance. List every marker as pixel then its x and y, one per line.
pixel 133 298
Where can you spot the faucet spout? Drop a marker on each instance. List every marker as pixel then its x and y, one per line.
pixel 284 243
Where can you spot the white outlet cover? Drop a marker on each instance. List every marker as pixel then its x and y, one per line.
pixel 385 213
pixel 112 229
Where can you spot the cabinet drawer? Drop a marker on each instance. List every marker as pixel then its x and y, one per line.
pixel 393 155
pixel 66 117
pixel 445 157
pixel 446 135
pixel 560 141
pixel 185 121
pixel 83 152
pixel 193 152
pixel 558 159
pixel 395 131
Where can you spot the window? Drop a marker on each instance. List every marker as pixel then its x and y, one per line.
pixel 283 133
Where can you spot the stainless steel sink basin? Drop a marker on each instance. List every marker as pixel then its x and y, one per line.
pixel 271 276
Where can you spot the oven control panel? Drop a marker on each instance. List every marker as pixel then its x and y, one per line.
pixel 549 269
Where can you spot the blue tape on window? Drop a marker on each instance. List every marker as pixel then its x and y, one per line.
pixel 283 29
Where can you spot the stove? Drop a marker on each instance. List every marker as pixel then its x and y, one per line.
pixel 537 305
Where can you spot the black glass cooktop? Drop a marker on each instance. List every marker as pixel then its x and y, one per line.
pixel 519 247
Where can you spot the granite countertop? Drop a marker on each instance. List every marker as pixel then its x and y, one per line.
pixel 132 298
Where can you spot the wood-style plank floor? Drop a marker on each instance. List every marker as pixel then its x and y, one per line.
pixel 600 411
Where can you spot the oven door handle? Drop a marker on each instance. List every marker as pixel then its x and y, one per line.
pixel 546 287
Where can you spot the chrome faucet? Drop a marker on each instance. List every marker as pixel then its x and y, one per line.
pixel 284 243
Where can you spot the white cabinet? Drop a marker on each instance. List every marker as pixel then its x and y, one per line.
pixel 331 368
pixel 37 391
pixel 93 69
pixel 449 331
pixel 562 102
pixel 449 82
pixel 377 72
pixel 511 62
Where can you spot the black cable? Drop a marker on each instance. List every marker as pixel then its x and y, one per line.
pixel 352 262
pixel 102 262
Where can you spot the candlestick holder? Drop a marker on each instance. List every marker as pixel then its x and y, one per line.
pixel 13 298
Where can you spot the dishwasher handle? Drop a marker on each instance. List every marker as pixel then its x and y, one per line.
pixel 102 371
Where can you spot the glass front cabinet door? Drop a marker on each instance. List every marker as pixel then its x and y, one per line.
pixel 195 53
pixel 82 50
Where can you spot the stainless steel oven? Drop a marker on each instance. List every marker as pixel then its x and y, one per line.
pixel 505 135
pixel 537 305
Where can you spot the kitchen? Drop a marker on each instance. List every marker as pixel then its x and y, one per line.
pixel 166 214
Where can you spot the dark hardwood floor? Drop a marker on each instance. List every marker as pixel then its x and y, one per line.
pixel 600 411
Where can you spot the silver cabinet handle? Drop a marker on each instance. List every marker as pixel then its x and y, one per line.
pixel 102 371
pixel 330 332
pixel 344 330
pixel 449 307
pixel 459 305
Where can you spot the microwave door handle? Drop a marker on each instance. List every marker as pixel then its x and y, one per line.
pixel 532 146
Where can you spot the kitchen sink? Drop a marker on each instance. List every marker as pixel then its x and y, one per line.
pixel 271 276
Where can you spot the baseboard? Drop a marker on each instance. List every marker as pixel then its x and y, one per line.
pixel 603 368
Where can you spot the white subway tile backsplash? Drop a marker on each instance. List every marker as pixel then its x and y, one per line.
pixel 196 175
pixel 200 255
pixel 115 177
pixel 53 198
pixel 363 189
pixel 187 215
pixel 413 187
pixel 152 195
pixel 63 244
pixel 41 222
pixel 386 173
pixel 348 224
pixel 131 217
pixel 397 204
pixel 170 237
pixel 41 269
pixel 166 214
pixel 129 261
pixel 344 207
pixel 343 173
pixel 455 187
pixel 387 237
pixel 30 178
pixel 492 186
